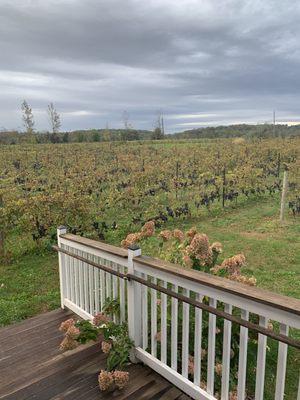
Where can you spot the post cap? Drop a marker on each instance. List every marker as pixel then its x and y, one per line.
pixel 134 247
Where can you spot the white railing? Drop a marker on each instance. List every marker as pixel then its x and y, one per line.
pixel 173 316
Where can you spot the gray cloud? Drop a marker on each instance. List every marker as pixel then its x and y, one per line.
pixel 222 61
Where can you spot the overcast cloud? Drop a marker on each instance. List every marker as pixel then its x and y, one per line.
pixel 205 62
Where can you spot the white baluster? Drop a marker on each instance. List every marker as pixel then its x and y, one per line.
pixel 174 330
pixel 281 364
pixel 243 357
pixel 198 342
pixel 185 334
pixel 211 348
pixel 226 354
pixel 163 343
pixel 261 361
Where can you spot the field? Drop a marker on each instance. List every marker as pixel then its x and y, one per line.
pixel 228 189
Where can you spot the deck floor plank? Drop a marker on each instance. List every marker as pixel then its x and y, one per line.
pixel 32 367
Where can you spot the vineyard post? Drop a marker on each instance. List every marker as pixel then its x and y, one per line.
pixel 224 187
pixel 177 175
pixel 283 194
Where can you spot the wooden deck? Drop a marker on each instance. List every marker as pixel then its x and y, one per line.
pixel 32 367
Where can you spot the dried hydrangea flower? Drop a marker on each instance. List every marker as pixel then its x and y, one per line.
pixel 131 239
pixel 191 233
pixel 73 332
pixel 233 395
pixel 158 336
pixel 65 325
pixel 106 347
pixel 165 235
pixel 218 369
pixel 187 261
pixel 106 380
pixel 216 247
pixel 191 365
pixel 233 264
pixel 121 378
pixel 178 234
pixel 68 344
pixel 199 248
pixel 148 229
pixel 100 319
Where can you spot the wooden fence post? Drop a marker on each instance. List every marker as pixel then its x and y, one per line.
pixel 61 230
pixel 134 303
pixel 283 195
pixel 224 187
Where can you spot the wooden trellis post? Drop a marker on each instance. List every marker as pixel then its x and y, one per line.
pixel 283 195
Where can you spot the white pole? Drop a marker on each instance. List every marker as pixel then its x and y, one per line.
pixel 134 303
pixel 283 195
pixel 61 230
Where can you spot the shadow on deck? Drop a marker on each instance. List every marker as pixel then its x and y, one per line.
pixel 32 367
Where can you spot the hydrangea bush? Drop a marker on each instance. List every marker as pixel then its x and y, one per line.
pixel 193 250
pixel 115 343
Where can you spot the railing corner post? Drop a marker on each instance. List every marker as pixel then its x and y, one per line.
pixel 134 303
pixel 61 230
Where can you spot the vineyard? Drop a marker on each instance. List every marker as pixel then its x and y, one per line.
pixel 107 190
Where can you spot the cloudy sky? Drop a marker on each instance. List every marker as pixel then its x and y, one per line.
pixel 202 62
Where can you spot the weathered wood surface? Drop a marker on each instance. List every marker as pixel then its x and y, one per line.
pixel 32 367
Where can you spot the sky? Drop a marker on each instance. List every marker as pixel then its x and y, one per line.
pixel 200 62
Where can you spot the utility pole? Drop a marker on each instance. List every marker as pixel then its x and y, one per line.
pixel 274 121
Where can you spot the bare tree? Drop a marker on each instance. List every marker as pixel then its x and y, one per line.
pixel 55 123
pixel 125 118
pixel 159 129
pixel 27 117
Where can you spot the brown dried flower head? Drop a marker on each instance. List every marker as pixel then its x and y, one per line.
pixel 218 369
pixel 106 347
pixel 165 235
pixel 121 379
pixel 191 365
pixel 100 319
pixel 68 344
pixel 106 380
pixel 199 248
pixel 65 325
pixel 73 332
pixel 234 264
pixel 148 229
pixel 216 247
pixel 131 239
pixel 178 234
pixel 191 233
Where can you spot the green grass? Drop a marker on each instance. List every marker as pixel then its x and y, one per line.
pixel 28 286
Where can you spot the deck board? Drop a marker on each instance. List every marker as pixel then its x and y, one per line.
pixel 33 367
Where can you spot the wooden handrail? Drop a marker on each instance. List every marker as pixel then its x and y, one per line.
pixel 95 244
pixel 263 296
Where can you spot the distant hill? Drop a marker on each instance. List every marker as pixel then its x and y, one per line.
pixel 108 135
pixel 243 130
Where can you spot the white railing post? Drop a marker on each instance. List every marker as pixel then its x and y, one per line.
pixel 134 302
pixel 61 230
